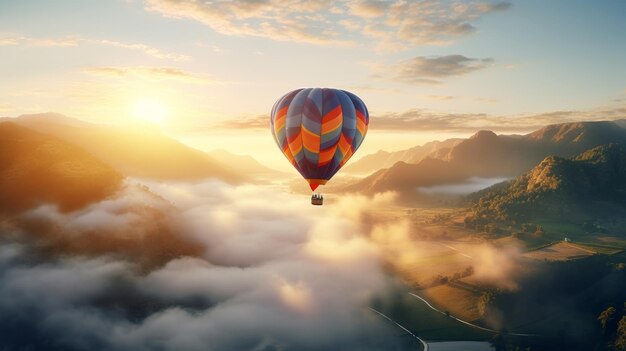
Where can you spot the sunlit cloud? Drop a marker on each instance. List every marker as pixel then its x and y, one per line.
pixel 395 25
pixel 250 282
pixel 440 97
pixel 149 73
pixel 148 50
pixel 279 20
pixel 15 39
pixel 435 23
pixel 430 70
pixel 71 41
pixel 368 8
pixel 424 120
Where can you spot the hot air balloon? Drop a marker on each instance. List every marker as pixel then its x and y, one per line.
pixel 318 130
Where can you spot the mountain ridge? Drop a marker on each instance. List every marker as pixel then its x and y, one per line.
pixel 557 186
pixel 486 154
pixel 37 168
pixel 138 152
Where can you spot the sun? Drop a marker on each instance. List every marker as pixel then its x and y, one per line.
pixel 150 110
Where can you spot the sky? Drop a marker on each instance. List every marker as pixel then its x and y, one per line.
pixel 208 72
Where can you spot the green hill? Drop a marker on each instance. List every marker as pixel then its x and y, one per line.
pixel 591 182
pixel 488 155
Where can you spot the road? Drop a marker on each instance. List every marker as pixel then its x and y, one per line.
pixel 457 250
pixel 424 344
pixel 462 321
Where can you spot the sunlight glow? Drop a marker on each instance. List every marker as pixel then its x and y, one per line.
pixel 150 110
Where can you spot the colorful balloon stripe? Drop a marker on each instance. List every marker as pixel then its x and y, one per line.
pixel 318 130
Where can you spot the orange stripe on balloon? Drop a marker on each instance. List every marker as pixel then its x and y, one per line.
pixel 332 113
pixel 295 144
pixel 346 157
pixel 279 124
pixel 344 145
pixel 360 126
pixel 288 154
pixel 326 155
pixel 360 115
pixel 282 112
pixel 310 140
pixel 281 117
pixel 332 125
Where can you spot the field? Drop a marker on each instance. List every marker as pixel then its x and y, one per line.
pixel 561 251
pixel 428 324
pixel 456 297
pixel 440 249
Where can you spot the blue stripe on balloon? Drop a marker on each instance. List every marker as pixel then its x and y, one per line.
pixel 330 139
pixel 348 127
pixel 358 105
pixel 283 102
pixel 329 101
pixel 294 127
pixel 312 121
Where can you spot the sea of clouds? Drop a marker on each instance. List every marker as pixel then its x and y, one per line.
pixel 193 266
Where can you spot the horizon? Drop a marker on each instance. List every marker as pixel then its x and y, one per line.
pixel 206 75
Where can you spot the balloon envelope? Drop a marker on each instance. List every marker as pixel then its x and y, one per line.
pixel 318 130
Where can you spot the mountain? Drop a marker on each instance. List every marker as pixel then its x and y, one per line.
pixel 620 122
pixel 242 164
pixel 559 186
pixel 488 155
pixel 138 151
pixel 384 159
pixel 38 168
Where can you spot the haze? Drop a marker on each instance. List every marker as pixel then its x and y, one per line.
pixel 144 204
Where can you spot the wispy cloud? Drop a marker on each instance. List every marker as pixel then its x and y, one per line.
pixel 7 39
pixel 440 97
pixel 368 8
pixel 392 25
pixel 292 20
pixel 149 73
pixel 148 50
pixel 430 70
pixel 71 41
pixel 408 23
pixel 423 120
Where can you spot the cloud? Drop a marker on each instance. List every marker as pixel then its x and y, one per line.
pixel 15 39
pixel 292 20
pixel 432 23
pixel 368 8
pixel 424 120
pixel 148 50
pixel 131 225
pixel 414 248
pixel 256 122
pixel 440 97
pixel 264 275
pixel 149 73
pixel 394 25
pixel 71 41
pixel 430 70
